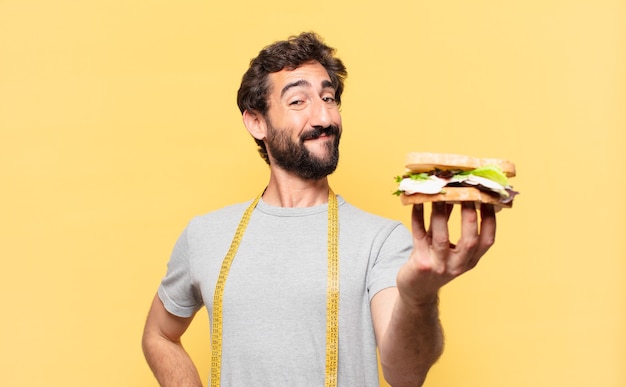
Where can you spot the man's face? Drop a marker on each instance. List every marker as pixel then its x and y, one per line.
pixel 303 122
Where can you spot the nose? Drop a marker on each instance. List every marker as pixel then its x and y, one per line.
pixel 321 115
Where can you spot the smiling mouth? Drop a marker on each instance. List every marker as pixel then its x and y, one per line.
pixel 321 135
pixel 320 132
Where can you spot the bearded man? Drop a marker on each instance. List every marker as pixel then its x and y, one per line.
pixel 301 287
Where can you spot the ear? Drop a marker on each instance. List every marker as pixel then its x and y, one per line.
pixel 255 123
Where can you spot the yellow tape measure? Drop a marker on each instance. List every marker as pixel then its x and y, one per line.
pixel 332 301
pixel 332 297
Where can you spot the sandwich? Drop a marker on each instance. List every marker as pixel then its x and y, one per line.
pixel 452 178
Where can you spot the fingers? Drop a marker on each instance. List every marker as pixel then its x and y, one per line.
pixel 469 226
pixel 469 240
pixel 441 211
pixel 421 239
pixel 417 222
pixel 439 217
pixel 476 237
pixel 487 228
pixel 482 237
pixel 438 230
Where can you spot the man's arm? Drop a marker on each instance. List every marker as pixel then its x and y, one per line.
pixel 406 318
pixel 163 350
pixel 410 339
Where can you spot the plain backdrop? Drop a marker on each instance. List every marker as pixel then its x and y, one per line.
pixel 118 124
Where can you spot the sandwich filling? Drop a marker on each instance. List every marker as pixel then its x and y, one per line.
pixel 488 178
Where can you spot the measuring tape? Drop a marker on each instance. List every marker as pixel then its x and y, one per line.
pixel 332 294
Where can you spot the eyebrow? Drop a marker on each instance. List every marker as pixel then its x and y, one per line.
pixel 326 84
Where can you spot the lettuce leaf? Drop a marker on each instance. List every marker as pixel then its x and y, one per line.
pixel 490 172
pixel 413 176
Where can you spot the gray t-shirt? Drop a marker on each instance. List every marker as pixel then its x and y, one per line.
pixel 274 305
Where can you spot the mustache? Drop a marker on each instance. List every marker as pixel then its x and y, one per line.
pixel 316 132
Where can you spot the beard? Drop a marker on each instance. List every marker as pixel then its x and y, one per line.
pixel 296 158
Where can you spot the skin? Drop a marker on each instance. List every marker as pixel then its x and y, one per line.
pixel 405 318
pixel 164 351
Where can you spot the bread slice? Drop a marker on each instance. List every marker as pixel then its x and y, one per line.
pixel 419 162
pixel 455 195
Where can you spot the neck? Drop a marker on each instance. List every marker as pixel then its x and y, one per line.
pixel 287 190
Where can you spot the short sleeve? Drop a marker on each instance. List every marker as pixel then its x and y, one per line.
pixel 177 292
pixel 393 252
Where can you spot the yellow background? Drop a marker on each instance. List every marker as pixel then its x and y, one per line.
pixel 118 124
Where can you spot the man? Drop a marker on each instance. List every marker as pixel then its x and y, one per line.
pixel 275 319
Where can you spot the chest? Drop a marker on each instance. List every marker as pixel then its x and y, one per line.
pixel 282 266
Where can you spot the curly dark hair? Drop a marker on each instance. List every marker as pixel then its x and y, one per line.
pixel 286 54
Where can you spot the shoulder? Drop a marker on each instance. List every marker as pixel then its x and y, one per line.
pixel 219 219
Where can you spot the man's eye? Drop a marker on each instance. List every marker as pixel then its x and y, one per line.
pixel 329 100
pixel 296 102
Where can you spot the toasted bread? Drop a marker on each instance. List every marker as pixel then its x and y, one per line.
pixel 455 195
pixel 424 162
